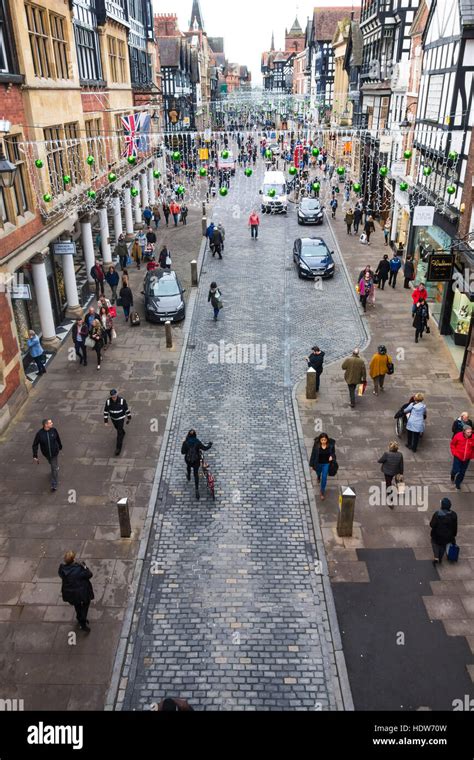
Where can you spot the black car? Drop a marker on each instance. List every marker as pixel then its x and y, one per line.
pixel 310 211
pixel 163 297
pixel 313 258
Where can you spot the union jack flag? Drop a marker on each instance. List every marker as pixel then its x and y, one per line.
pixel 136 127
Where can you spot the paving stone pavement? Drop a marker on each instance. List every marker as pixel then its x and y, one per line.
pixel 231 612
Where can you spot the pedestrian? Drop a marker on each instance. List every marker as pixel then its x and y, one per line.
pixel 357 218
pixel 386 231
pixel 323 453
pixel 315 360
pixel 164 259
pixel 150 236
pixel 97 334
pixel 418 294
pixel 380 365
pixel 112 279
pixel 349 219
pixel 191 450
pixel 117 409
pixel 382 271
pixel 395 264
pixel 79 335
pixel 142 241
pixel 166 212
pixel 147 215
pixel 392 463
pixel 107 325
pixel 221 229
pixel 217 241
pixel 420 319
pixel 121 251
pixel 210 232
pixel 444 529
pixel 369 227
pixel 215 297
pixel 174 704
pixel 333 205
pixel 363 272
pixel 36 351
pixel 156 216
pixel 254 222
pixel 98 275
pixel 48 440
pixel 184 214
pixel 460 423
pixel 416 421
pixel 90 317
pixel 126 299
pixel 366 289
pixel 76 588
pixel 103 301
pixel 355 373
pixel 136 253
pixel 408 271
pixel 462 449
pixel 175 209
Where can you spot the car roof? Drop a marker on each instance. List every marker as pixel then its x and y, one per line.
pixel 310 199
pixel 272 176
pixel 312 241
pixel 159 274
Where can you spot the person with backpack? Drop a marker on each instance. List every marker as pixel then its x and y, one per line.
pixel 444 529
pixel 395 264
pixel 191 450
pixel 147 215
pixel 333 205
pixel 215 298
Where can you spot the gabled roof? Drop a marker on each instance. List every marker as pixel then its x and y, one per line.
pixel 325 20
pixel 170 50
pixel 217 44
pixel 295 29
pixel 355 46
pixel 415 27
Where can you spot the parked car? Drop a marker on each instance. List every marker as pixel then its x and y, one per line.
pixel 313 258
pixel 310 211
pixel 163 297
pixel 275 148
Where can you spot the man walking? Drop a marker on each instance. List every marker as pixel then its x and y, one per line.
pixel 98 275
pixel 50 444
pixel 316 360
pixel 254 222
pixel 217 242
pixel 76 587
pixel 444 528
pixel 462 449
pixel 121 251
pixel 395 264
pixel 355 373
pixel 117 409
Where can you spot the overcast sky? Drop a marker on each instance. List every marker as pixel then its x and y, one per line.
pixel 247 25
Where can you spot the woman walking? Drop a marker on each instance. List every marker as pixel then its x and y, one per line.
pixel 392 463
pixel 79 335
pixel 420 319
pixel 366 289
pixel 379 367
pixel 136 253
pixel 156 216
pixel 166 212
pixel 112 279
pixel 36 351
pixel 369 227
pixel 349 218
pixel 126 298
pixel 97 335
pixel 215 297
pixel 164 259
pixel 416 421
pixel 107 325
pixel 323 453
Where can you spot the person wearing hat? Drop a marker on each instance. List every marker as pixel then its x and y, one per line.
pixel 379 366
pixel 444 528
pixel 76 587
pixel 316 360
pixel 117 409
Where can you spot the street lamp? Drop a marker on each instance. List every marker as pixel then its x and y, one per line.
pixel 405 124
pixel 7 171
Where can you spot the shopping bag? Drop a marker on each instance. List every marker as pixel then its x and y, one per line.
pixel 361 389
pixel 452 552
pixel 112 311
pixel 400 484
pixel 363 238
pixel 114 334
pixel 90 343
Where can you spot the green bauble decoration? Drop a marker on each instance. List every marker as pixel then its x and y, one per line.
pixel 39 163
pixel 316 187
pixel 225 154
pixel 223 191
pixel 272 192
pixel 427 171
pixel 134 192
pixel 292 170
pixel 180 190
pixel 47 197
pixel 340 170
pixel 403 186
pixel 132 160
pixel 248 172
pixel 203 171
pixel 450 189
pixel 176 155
pixel 407 154
pixel 156 174
pixel 315 152
pixel 67 179
pixel 268 153
pixel 356 187
pixel 383 171
pixel 112 177
pixel 90 160
pixel 92 194
pixel 452 155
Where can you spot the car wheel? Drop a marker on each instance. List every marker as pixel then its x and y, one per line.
pixel 299 274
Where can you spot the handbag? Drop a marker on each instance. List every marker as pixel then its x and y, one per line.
pixel 112 311
pixel 114 333
pixel 363 238
pixel 376 279
pixel 333 467
pixel 168 261
pixel 119 302
pixel 89 342
pixel 390 368
pixel 452 552
pixel 400 484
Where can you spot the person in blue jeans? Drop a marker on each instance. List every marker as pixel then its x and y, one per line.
pixel 215 297
pixel 36 351
pixel 323 453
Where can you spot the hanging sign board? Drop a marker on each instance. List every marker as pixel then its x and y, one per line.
pixel 385 144
pixel 440 267
pixel 398 169
pixel 21 292
pixel 64 248
pixel 423 216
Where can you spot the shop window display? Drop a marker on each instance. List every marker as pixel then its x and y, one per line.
pixel 461 318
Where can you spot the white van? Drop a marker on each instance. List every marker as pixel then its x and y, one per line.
pixel 274 202
pixel 226 164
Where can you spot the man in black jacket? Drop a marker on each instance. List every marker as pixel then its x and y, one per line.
pixel 315 360
pixel 98 275
pixel 117 409
pixel 50 444
pixel 444 528
pixel 76 587
pixel 216 242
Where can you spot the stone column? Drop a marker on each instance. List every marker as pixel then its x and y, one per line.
pixel 144 188
pixel 151 186
pixel 127 207
pixel 104 236
pixel 88 248
pixel 136 202
pixel 73 311
pixel 118 229
pixel 49 339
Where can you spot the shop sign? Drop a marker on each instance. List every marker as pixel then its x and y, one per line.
pixel 440 267
pixel 64 248
pixel 398 168
pixel 21 292
pixel 423 216
pixel 385 144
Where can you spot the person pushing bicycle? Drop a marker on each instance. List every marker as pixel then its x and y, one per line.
pixel 191 450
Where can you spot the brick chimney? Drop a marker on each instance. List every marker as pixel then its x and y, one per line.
pixel 166 25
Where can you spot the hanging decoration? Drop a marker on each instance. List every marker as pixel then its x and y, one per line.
pixel 176 155
pixel 39 163
pixel 47 197
pixel 223 191
pixel 248 172
pixel 180 190
pixel 268 153
pixel 272 192
pixel 90 160
pixel 67 179
pixel 452 155
pixel 134 192
pixel 315 152
pixel 451 189
pixel 316 187
pixel 427 171
pixel 407 154
pixel 341 171
pixel 203 171
pixel 112 177
pixel 91 194
pixel 225 154
pixel 383 171
pixel 156 174
pixel 356 187
pixel 132 160
pixel 292 170
pixel 403 186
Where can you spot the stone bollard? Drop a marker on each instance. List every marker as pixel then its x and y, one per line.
pixel 169 335
pixel 124 518
pixel 345 518
pixel 204 226
pixel 194 273
pixel 311 383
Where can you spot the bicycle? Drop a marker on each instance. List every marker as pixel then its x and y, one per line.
pixel 210 479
